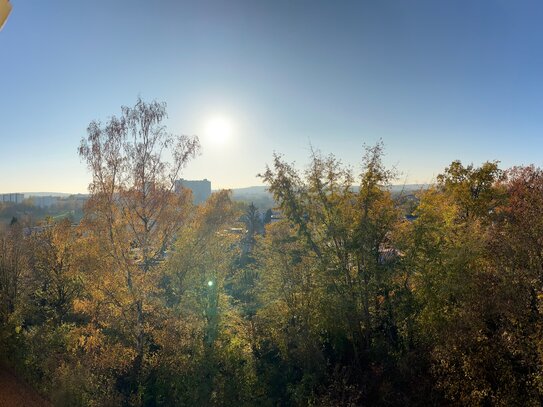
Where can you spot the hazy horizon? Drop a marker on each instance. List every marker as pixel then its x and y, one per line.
pixel 213 189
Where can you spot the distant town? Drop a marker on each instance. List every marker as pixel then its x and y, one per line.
pixel 32 207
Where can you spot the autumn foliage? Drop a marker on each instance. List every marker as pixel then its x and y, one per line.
pixel 343 301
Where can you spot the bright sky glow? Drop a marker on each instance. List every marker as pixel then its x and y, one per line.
pixel 218 130
pixel 436 80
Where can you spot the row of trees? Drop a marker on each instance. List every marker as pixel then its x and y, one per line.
pixel 29 213
pixel 152 301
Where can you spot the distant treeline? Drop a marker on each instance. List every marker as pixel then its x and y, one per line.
pixel 262 198
pixel 30 214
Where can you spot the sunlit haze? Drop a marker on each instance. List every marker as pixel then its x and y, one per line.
pixel 436 81
pixel 218 131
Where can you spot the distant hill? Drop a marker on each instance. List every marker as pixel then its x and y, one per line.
pixel 408 188
pixel 257 190
pixel 263 199
pixel 250 190
pixel 61 194
pixel 258 195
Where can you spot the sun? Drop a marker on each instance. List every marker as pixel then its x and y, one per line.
pixel 218 130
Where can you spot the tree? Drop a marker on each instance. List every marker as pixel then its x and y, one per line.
pixel 477 236
pixel 54 271
pixel 474 189
pixel 289 316
pixel 253 224
pixel 346 234
pixel 205 357
pixel 13 264
pixel 268 216
pixel 133 218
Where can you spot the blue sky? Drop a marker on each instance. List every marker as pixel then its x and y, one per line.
pixel 436 80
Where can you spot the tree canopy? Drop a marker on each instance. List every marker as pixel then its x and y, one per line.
pixel 339 298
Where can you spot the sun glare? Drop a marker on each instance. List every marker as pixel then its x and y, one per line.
pixel 218 130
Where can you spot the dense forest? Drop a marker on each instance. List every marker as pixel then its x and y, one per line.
pixel 343 300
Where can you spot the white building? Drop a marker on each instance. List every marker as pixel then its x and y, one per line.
pixel 201 190
pixel 14 198
pixel 45 201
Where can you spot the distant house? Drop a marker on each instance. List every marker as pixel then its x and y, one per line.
pixel 388 254
pixel 13 198
pixel 201 190
pixel 236 231
pixel 35 230
pixel 276 216
pixel 45 201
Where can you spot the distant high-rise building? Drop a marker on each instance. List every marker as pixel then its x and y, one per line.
pixel 14 198
pixel 45 201
pixel 201 190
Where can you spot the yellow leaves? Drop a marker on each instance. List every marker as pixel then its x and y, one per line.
pixel 81 305
pixel 81 341
pixel 437 207
pixel 100 350
pixel 90 343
